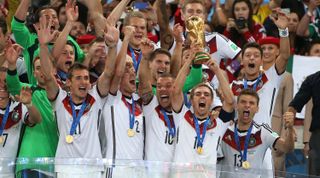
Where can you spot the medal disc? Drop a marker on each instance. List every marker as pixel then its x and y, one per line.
pixel 69 138
pixel 199 150
pixel 246 165
pixel 1 139
pixel 130 132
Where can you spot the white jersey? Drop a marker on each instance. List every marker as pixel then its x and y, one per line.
pixel 159 143
pixel 267 90
pixel 18 113
pixel 261 138
pixel 86 142
pixel 218 46
pixel 116 117
pixel 186 147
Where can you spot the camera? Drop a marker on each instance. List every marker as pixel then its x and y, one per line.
pixel 241 23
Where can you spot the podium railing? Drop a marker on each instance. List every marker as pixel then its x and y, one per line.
pixel 132 168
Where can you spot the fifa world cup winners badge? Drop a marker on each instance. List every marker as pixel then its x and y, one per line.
pixel 196 38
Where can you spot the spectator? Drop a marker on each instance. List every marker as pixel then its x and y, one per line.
pixel 241 28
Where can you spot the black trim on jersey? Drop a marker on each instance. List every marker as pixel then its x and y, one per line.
pixel 113 135
pixel 219 139
pixel 98 122
pixel 12 72
pixel 274 143
pixel 179 111
pixel 113 94
pixel 144 137
pixel 99 91
pixel 267 127
pixel 23 129
pixel 55 116
pixel 226 116
pixel 272 100
pixel 277 70
pixel 55 98
pixel 18 20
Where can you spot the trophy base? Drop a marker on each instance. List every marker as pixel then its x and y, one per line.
pixel 201 58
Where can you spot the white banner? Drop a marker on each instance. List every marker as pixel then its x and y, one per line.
pixel 302 67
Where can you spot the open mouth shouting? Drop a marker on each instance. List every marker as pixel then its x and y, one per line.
pixel 202 104
pixel 251 65
pixel 246 114
pixel 164 98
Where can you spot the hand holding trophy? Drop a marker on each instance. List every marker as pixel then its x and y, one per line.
pixel 196 39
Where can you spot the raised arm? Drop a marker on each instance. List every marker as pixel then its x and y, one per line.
pixel 44 37
pixel 104 81
pixel 287 144
pixel 228 102
pixel 13 83
pixel 25 98
pixel 121 59
pixel 282 24
pixel 22 10
pixel 117 12
pixel 303 26
pixel 177 94
pixel 166 37
pixel 72 16
pixel 145 87
pixel 177 52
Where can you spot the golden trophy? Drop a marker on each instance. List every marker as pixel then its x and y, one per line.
pixel 196 38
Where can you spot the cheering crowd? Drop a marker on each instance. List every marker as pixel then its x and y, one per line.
pixel 123 80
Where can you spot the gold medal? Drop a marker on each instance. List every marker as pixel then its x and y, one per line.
pixel 246 165
pixel 69 138
pixel 200 150
pixel 130 132
pixel 1 139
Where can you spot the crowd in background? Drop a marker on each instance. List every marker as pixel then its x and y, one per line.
pixel 140 66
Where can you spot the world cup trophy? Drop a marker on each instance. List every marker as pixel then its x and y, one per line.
pixel 196 38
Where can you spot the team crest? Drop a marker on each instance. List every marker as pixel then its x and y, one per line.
pixel 252 141
pixel 15 116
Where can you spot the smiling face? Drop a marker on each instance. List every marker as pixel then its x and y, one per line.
pixel 201 100
pixel 159 65
pixel 247 107
pixel 251 61
pixel 66 59
pixel 79 84
pixel 241 9
pixel 164 88
pixel 140 25
pixel 270 53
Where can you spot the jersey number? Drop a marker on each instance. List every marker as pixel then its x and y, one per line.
pixel 169 138
pixel 5 136
pixel 237 160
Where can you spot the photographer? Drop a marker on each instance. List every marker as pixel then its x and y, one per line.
pixel 241 28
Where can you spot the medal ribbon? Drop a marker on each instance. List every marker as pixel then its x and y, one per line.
pixel 199 138
pixel 245 83
pixel 76 118
pixel 246 143
pixel 5 118
pixel 136 62
pixel 131 113
pixel 172 130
